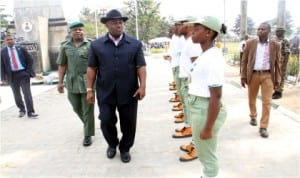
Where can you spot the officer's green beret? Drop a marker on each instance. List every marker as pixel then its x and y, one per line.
pixel 76 24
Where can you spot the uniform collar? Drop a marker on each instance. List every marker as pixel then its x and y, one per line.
pixel 85 40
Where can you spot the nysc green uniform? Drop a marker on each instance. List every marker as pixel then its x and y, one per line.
pixel 76 60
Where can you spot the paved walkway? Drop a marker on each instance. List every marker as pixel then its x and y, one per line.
pixel 50 147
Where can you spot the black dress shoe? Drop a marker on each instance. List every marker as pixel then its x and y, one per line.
pixel 22 113
pixel 111 152
pixel 87 141
pixel 277 95
pixel 263 132
pixel 125 157
pixel 32 115
pixel 253 122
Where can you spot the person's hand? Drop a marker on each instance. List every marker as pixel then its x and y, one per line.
pixel 243 82
pixel 90 97
pixel 60 88
pixel 206 134
pixel 140 93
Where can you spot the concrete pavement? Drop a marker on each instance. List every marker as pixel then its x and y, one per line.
pixel 51 146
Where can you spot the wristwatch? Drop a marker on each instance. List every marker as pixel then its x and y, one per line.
pixel 89 89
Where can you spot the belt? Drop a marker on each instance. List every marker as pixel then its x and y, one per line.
pixel 261 71
pixel 17 71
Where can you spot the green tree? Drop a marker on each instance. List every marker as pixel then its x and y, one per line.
pixel 89 17
pixel 3 24
pixel 250 26
pixel 150 24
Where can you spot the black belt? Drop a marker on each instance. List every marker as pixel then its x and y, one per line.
pixel 261 71
pixel 17 71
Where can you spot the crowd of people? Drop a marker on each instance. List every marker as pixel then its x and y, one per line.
pixel 112 70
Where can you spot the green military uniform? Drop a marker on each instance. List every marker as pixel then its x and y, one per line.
pixel 285 52
pixel 76 61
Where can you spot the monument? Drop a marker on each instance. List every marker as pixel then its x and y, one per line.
pixel 40 26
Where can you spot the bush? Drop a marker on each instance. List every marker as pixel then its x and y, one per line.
pixel 293 66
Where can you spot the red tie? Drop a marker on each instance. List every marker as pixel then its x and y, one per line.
pixel 13 58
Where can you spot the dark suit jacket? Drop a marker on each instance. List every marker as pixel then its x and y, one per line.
pixel 25 59
pixel 117 78
pixel 249 55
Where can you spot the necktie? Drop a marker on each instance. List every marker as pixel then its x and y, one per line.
pixel 13 59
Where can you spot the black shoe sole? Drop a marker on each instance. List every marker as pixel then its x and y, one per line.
pixel 187 160
pixel 174 136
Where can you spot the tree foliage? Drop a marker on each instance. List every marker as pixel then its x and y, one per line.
pixel 91 19
pixel 250 26
pixel 3 25
pixel 150 24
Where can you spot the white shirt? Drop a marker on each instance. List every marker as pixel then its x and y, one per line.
pixel 262 58
pixel 189 50
pixel 207 71
pixel 176 45
pixel 115 40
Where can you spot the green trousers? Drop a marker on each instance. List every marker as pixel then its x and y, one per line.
pixel 85 112
pixel 184 97
pixel 175 72
pixel 206 149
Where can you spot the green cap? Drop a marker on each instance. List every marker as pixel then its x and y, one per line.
pixel 76 24
pixel 209 22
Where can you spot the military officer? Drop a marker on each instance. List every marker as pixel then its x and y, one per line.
pixel 72 61
pixel 285 53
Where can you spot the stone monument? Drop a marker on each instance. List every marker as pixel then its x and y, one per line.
pixel 40 26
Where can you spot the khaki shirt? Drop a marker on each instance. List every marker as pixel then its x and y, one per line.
pixel 76 61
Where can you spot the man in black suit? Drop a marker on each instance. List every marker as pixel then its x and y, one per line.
pixel 16 70
pixel 117 62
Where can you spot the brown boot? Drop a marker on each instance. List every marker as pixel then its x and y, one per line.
pixel 179 115
pixel 179 129
pixel 186 132
pixel 187 148
pixel 179 120
pixel 172 87
pixel 175 99
pixel 189 156
pixel 179 107
pixel 172 84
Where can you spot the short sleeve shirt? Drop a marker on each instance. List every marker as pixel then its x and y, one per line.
pixel 76 61
pixel 190 50
pixel 207 71
pixel 176 46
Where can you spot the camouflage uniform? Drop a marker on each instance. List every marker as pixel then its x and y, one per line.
pixel 285 53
